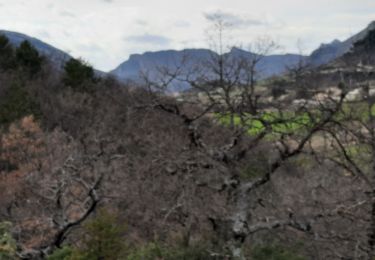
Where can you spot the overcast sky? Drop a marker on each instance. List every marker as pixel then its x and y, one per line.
pixel 106 32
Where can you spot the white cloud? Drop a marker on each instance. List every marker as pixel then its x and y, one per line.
pixel 236 20
pixel 149 39
pixel 96 29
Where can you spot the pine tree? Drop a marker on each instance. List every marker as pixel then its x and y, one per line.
pixel 7 59
pixel 28 58
pixel 103 239
pixel 78 74
pixel 16 104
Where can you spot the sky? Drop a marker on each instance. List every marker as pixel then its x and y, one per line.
pixel 106 32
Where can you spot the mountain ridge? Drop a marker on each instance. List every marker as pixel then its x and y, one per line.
pixel 333 50
pixel 271 65
pixel 57 56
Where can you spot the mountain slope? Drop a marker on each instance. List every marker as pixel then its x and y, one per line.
pixel 271 65
pixel 328 52
pixel 58 57
pixel 149 62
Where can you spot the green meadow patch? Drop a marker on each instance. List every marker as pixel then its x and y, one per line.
pixel 357 111
pixel 360 154
pixel 289 122
pixel 277 122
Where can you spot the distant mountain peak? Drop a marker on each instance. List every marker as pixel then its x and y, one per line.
pixel 336 41
pixel 371 25
pixel 236 49
pixel 149 61
pixel 331 51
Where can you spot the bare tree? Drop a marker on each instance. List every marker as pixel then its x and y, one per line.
pixel 228 82
pixel 352 136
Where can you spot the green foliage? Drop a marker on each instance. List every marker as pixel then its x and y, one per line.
pixel 257 166
pixel 103 239
pixel 148 252
pixel 360 154
pixel 65 253
pixel 358 111
pixel 156 251
pixel 196 252
pixel 280 123
pixel 274 252
pixel 28 58
pixel 302 161
pixel 16 104
pixel 7 243
pixel 7 59
pixel 78 74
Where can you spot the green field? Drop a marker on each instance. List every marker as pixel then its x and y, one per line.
pixel 288 122
pixel 280 123
pixel 357 111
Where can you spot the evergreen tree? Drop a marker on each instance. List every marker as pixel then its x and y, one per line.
pixel 28 58
pixel 78 74
pixel 103 240
pixel 7 60
pixel 17 103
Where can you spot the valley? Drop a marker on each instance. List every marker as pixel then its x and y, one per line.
pixel 198 154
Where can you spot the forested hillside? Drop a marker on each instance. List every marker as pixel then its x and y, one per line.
pixel 91 168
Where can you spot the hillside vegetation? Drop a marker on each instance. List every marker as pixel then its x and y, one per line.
pixel 91 168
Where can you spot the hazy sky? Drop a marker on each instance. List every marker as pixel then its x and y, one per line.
pixel 105 32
